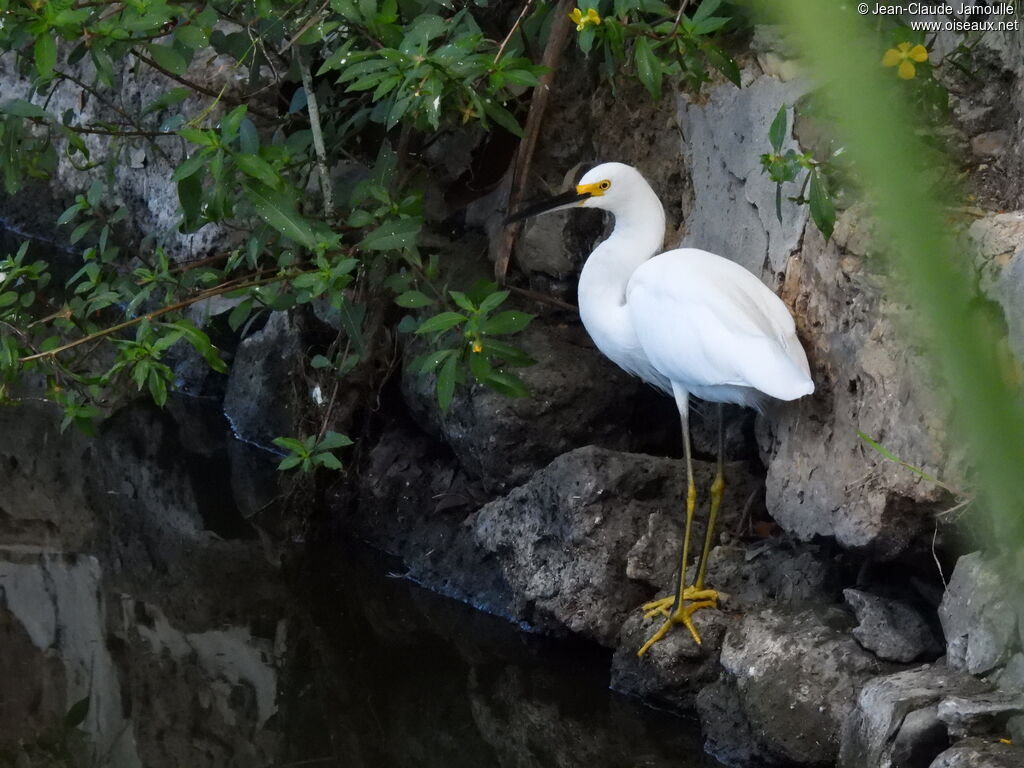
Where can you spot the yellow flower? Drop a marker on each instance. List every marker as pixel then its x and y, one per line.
pixel 581 21
pixel 478 347
pixel 903 57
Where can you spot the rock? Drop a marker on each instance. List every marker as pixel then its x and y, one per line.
pixel 892 629
pixel 978 618
pixel 773 571
pixel 727 732
pixel 980 753
pixel 564 538
pixel 980 714
pixel 1011 677
pixel 895 720
pixel 866 382
pixel 733 213
pixel 675 668
pixel 999 247
pixel 265 392
pixel 990 144
pixel 797 678
pixel 577 397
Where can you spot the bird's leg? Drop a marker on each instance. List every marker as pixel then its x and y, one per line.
pixel 717 491
pixel 673 608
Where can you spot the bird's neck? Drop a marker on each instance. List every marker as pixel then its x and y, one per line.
pixel 638 235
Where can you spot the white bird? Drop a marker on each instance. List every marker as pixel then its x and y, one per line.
pixel 686 321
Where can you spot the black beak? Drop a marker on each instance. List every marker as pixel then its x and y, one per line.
pixel 564 200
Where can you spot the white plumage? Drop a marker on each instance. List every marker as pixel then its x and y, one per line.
pixel 690 323
pixel 685 320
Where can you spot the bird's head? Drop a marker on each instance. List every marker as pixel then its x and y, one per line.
pixel 609 186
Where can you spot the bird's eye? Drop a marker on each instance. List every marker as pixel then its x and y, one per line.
pixel 605 184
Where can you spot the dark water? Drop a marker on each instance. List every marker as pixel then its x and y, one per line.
pixel 145 620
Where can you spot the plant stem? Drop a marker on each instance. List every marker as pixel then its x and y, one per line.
pixel 318 134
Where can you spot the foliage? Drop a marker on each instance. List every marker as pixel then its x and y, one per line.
pixel 661 42
pixel 389 74
pixel 988 416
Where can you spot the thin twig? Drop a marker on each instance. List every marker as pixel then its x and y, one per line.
pixel 201 88
pixel 508 37
pixel 207 294
pixel 318 134
pixel 543 298
pixel 541 94
pixel 305 27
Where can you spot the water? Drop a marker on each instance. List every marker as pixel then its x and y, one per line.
pixel 145 621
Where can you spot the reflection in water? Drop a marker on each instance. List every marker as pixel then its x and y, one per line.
pixel 132 581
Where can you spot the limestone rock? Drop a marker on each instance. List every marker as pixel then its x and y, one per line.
pixel 980 714
pixel 980 753
pixel 892 629
pixel 674 669
pixel 866 382
pixel 895 720
pixel 577 397
pixel 564 538
pixel 999 242
pixel 265 387
pixel 797 677
pixel 978 616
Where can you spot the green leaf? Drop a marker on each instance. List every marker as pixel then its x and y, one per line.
pixel 22 108
pixel 279 211
pixel 441 322
pixel 502 117
pixel 493 301
pixel 724 63
pixel 506 384
pixel 169 99
pixel 822 209
pixel 319 361
pixel 258 168
pixel 328 460
pixel 190 166
pixel 203 138
pixel 705 9
pixel 511 321
pixel 446 383
pixel 463 301
pixel 777 131
pixel 6 299
pixel 333 440
pixel 289 462
pixel 413 300
pixel 192 36
pixel 395 234
pixel 169 58
pixel 428 362
pixel 77 714
pixel 648 66
pixel 45 51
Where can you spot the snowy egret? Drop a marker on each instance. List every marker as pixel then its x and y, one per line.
pixel 688 322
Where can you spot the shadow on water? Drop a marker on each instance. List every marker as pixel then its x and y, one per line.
pixel 141 624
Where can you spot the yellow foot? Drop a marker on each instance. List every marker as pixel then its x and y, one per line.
pixel 663 607
pixel 681 616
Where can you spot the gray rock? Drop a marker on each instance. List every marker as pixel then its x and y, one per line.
pixel 565 537
pixel 978 617
pixel 980 714
pixel 866 381
pixel 1011 677
pixel 998 241
pixel 895 720
pixel 727 731
pixel 265 392
pixel 990 144
pixel 980 753
pixel 773 572
pixel 734 202
pixel 797 677
pixel 577 398
pixel 891 629
pixel 674 669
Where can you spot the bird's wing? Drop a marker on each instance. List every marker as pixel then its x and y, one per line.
pixel 706 321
